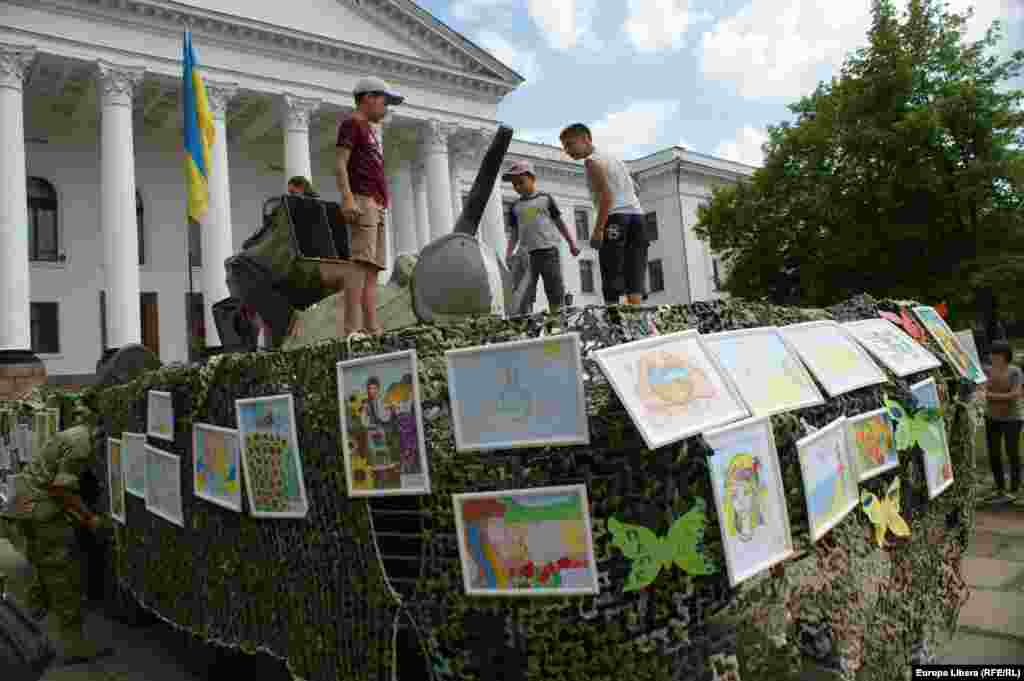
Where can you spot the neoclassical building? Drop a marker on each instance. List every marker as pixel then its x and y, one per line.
pixel 95 244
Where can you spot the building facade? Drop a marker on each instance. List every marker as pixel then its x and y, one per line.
pixel 93 234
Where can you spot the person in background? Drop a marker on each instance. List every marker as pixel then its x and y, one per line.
pixel 620 233
pixel 1004 419
pixel 300 185
pixel 538 228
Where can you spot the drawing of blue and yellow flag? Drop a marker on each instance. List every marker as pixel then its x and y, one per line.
pixel 199 134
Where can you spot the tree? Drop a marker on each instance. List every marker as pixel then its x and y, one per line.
pixel 903 176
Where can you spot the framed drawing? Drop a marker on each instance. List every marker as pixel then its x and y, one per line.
pixel 217 466
pixel 526 393
pixel 160 416
pixel 526 542
pixel 838 362
pixel 270 457
pixel 830 484
pixel 115 479
pixel 871 443
pixel 931 438
pixel 163 486
pixel 966 338
pixel 766 371
pixel 955 353
pixel 134 464
pixel 891 346
pixel 751 501
pixel 672 386
pixel 382 425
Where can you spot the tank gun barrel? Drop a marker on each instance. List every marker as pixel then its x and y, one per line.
pixel 483 185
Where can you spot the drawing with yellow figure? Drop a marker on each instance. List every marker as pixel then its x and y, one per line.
pixel 830 485
pixel 833 355
pixel 216 465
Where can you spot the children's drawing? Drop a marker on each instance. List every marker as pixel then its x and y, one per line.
pixel 270 457
pixel 927 429
pixel 134 445
pixel 526 542
pixel 160 416
pixel 943 335
pixel 891 346
pixel 872 443
pixel 671 386
pixel 766 371
pixel 838 362
pixel 830 486
pixel 382 425
pixel 519 394
pixel 966 338
pixel 749 496
pixel 163 486
pixel 885 514
pixel 115 475
pixel 649 553
pixel 216 464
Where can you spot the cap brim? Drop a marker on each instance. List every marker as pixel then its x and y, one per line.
pixel 395 99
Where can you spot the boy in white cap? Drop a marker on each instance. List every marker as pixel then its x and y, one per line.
pixel 364 198
pixel 536 224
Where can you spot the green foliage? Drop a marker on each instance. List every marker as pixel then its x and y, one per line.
pixel 899 177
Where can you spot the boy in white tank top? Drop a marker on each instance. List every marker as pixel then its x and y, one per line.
pixel 619 234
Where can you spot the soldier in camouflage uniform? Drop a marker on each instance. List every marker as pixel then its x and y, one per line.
pixel 46 517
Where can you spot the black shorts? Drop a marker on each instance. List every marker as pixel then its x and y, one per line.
pixel 623 257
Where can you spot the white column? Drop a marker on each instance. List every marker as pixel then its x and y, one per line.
pixel 492 231
pixel 116 86
pixel 389 241
pixel 216 228
pixel 439 191
pixel 455 162
pixel 403 209
pixel 15 328
pixel 295 121
pixel 419 188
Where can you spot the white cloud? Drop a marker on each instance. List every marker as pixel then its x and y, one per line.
pixel 564 24
pixel 745 147
pixel 628 133
pixel 655 25
pixel 522 60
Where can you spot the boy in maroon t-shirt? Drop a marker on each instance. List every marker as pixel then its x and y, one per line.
pixel 364 198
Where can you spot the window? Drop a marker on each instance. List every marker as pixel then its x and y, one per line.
pixel 582 225
pixel 652 226
pixel 465 198
pixel 195 243
pixel 44 328
pixel 586 276
pixel 511 234
pixel 141 224
pixel 103 322
pixel 197 325
pixel 655 276
pixel 717 279
pixel 42 221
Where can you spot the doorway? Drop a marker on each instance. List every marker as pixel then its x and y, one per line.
pixel 150 316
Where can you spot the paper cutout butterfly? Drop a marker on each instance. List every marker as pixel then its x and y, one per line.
pixel 906 322
pixel 918 429
pixel 885 513
pixel 649 553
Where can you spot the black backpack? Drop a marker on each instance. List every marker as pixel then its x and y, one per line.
pixel 25 649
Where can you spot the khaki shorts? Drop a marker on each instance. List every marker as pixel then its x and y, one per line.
pixel 366 237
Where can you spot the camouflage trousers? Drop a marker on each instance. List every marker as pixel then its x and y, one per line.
pixel 52 549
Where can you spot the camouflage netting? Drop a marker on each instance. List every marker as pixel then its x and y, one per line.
pixel 313 591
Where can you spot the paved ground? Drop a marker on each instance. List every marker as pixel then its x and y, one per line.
pixel 991 624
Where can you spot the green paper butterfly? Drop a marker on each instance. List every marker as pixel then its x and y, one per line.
pixel 650 553
pixel 918 429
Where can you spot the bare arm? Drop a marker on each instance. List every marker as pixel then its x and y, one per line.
pixel 599 181
pixel 341 172
pixel 565 233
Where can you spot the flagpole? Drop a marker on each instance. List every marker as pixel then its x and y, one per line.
pixel 189 321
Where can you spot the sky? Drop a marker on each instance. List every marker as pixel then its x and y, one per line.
pixel 707 75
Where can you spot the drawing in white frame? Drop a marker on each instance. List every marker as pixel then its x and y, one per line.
pixel 526 542
pixel 938 465
pixel 163 486
pixel 892 346
pixel 271 460
pixel 115 479
pixel 838 361
pixel 966 338
pixel 217 466
pixel 134 449
pixel 768 373
pixel 672 386
pixel 382 425
pixel 940 332
pixel 871 443
pixel 830 483
pixel 751 501
pixel 525 393
pixel 160 415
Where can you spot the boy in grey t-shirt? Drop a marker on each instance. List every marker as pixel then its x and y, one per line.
pixel 537 226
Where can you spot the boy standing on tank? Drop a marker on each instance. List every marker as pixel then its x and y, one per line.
pixel 537 226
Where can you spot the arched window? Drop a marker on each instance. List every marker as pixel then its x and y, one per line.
pixel 42 220
pixel 140 215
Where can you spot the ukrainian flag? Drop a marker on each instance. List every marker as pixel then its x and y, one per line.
pixel 199 134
